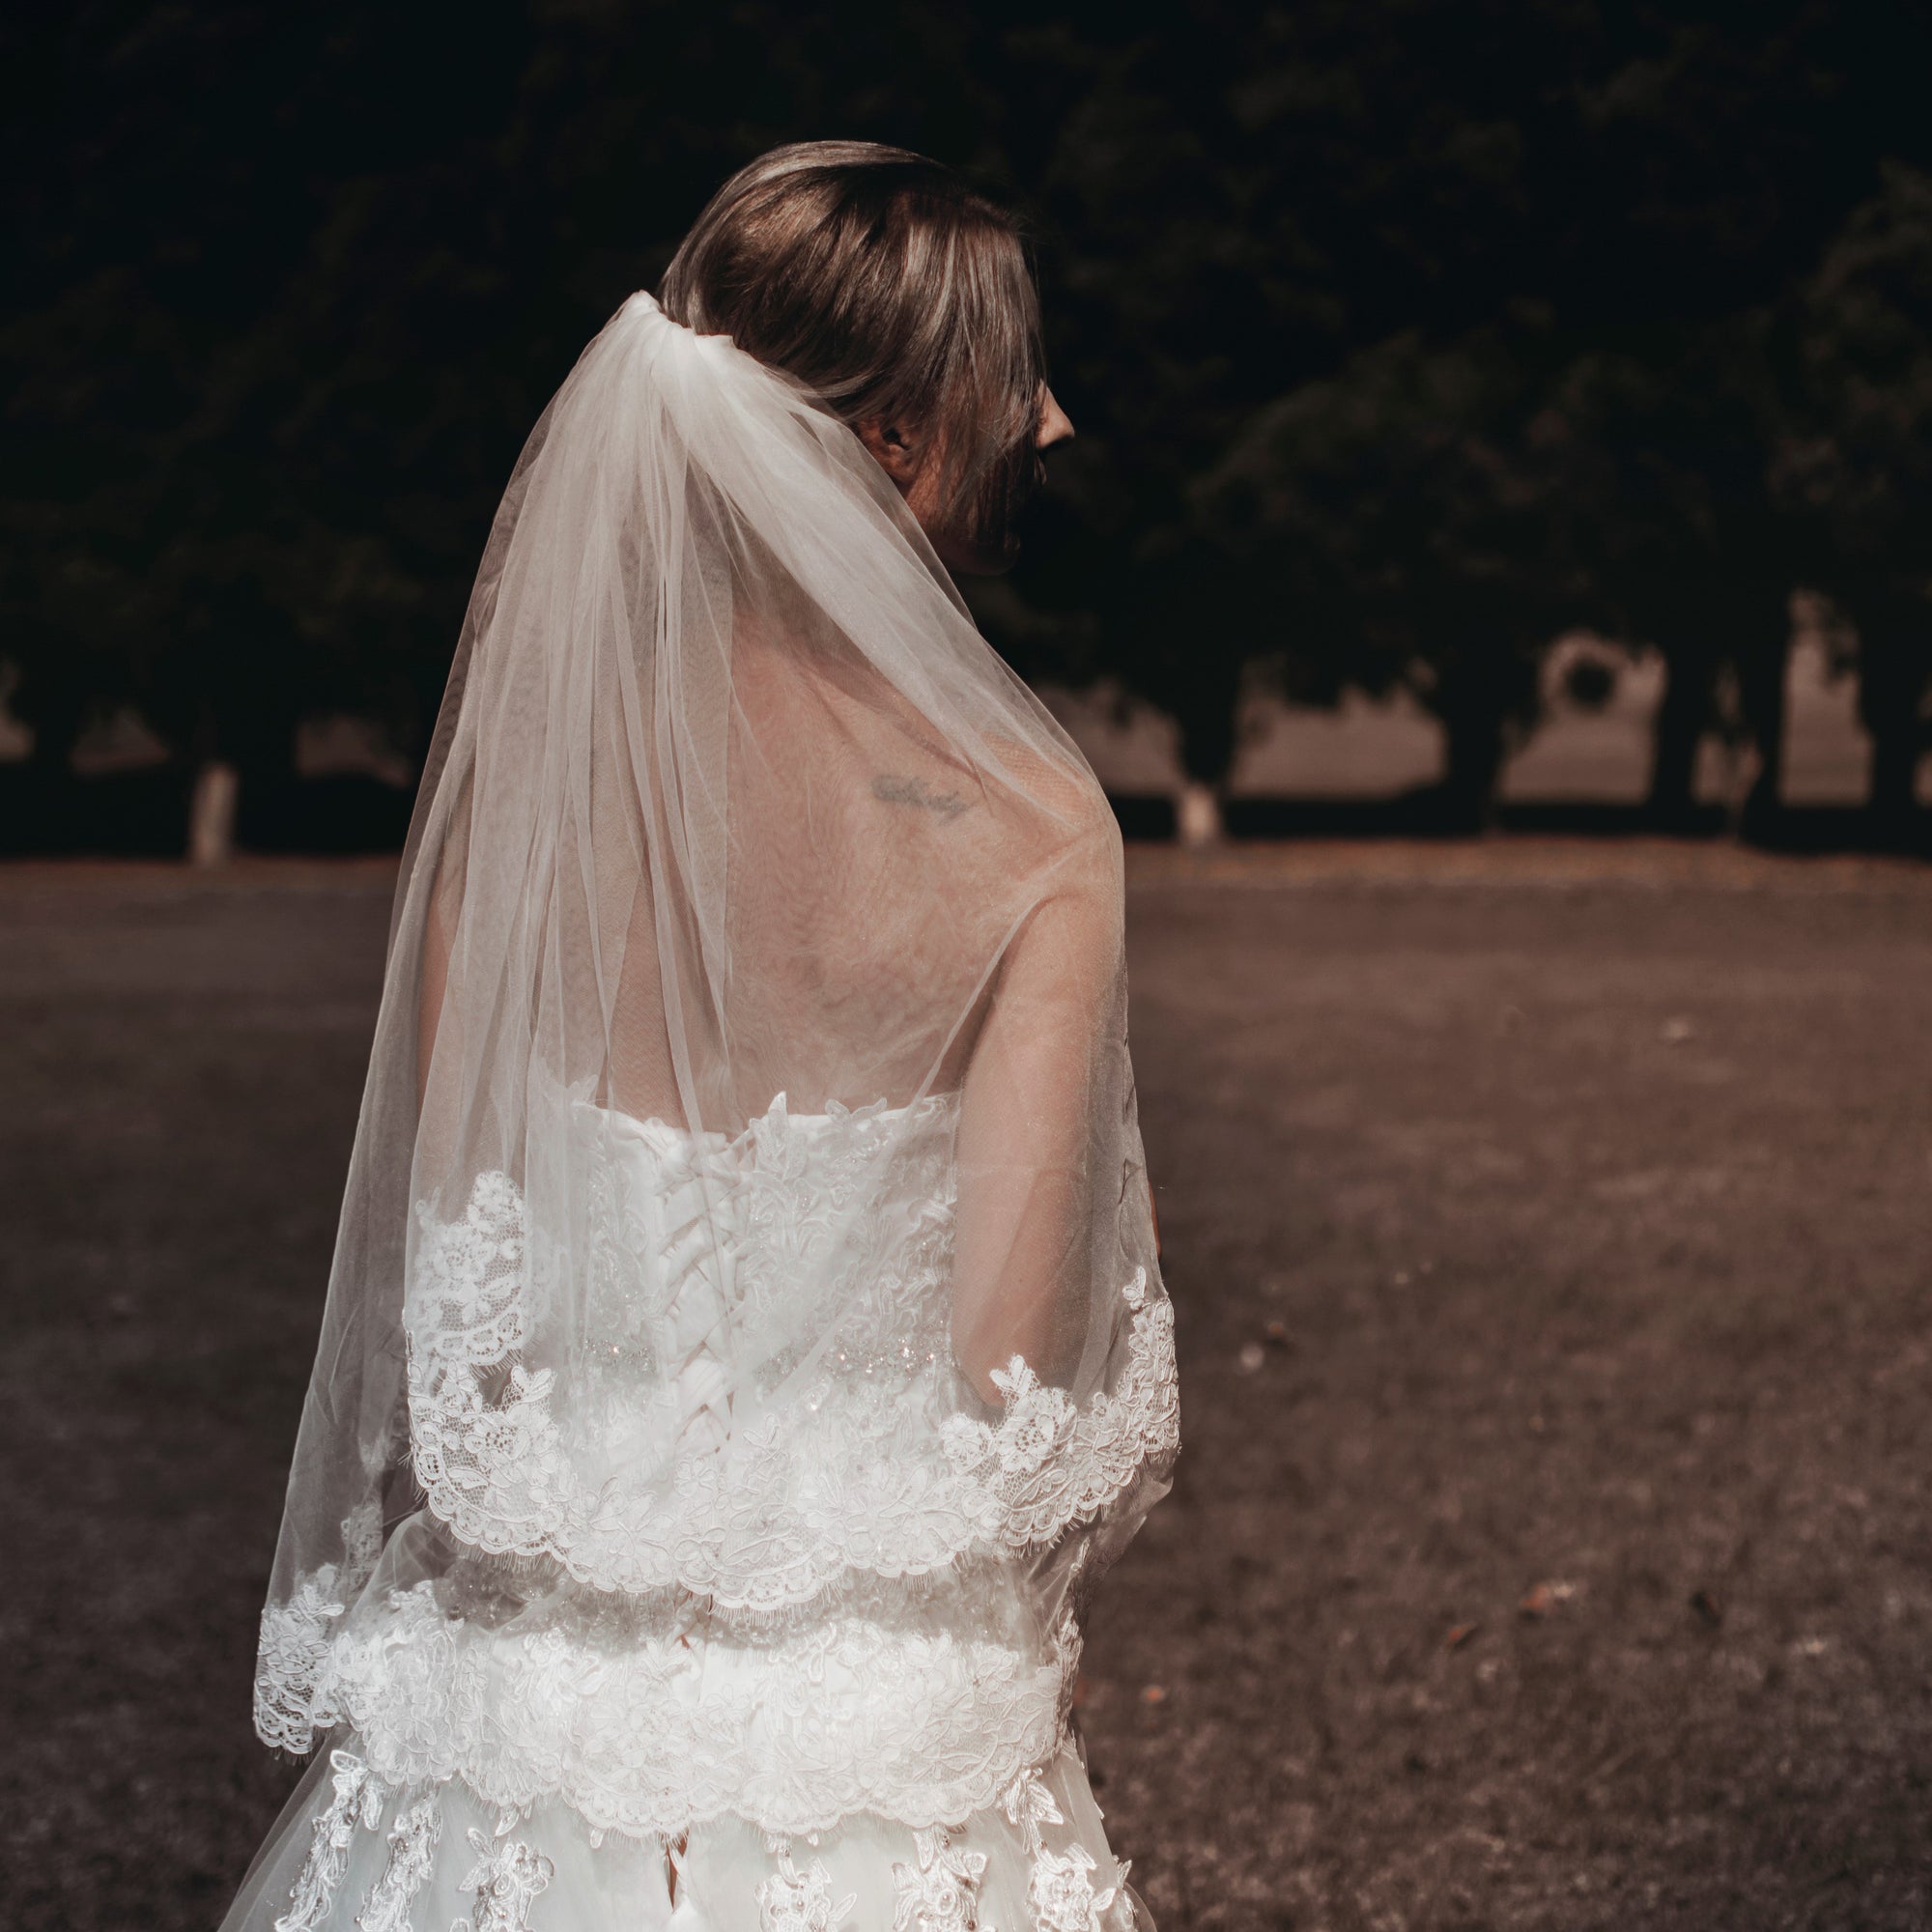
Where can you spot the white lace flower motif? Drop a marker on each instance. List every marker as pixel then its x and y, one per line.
pixel 413 1842
pixel 937 1892
pixel 968 1444
pixel 1038 1419
pixel 1062 1894
pixel 518 1427
pixel 520 1464
pixel 355 1804
pixel 505 1880
pixel 1030 1804
pixel 292 1661
pixel 791 1900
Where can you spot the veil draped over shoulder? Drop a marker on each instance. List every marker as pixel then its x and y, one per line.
pixel 748 1222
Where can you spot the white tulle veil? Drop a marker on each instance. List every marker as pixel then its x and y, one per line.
pixel 731 820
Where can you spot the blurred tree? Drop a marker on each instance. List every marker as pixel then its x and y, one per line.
pixel 1412 512
pixel 1684 542
pixel 1859 460
pixel 1263 205
pixel 291 286
pixel 1230 214
pixel 173 367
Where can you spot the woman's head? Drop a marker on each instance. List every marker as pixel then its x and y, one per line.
pixel 903 300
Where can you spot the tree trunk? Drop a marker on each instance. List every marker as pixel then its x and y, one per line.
pixel 1682 716
pixel 1894 779
pixel 1761 662
pixel 53 705
pixel 1208 716
pixel 1894 671
pixel 210 815
pixel 1197 816
pixel 1893 723
pixel 1473 714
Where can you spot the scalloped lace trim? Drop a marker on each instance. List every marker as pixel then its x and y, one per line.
pixel 290 1659
pixel 793 1509
pixel 650 1738
pixel 776 1516
pixel 1003 1487
pixel 860 1476
pixel 294 1636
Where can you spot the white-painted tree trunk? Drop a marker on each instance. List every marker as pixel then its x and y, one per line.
pixel 1196 815
pixel 210 815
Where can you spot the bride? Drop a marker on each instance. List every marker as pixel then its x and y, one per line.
pixel 745 1347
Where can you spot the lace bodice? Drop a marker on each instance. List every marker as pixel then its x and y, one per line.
pixel 670 1530
pixel 700 1449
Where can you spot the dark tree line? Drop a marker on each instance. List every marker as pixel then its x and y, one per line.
pixel 1402 338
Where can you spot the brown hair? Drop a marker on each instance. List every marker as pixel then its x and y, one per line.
pixel 893 291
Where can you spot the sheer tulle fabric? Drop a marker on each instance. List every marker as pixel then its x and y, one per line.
pixel 745 1344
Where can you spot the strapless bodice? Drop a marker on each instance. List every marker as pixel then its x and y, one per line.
pixel 808 1247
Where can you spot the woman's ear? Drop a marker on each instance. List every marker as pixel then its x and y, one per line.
pixel 896 452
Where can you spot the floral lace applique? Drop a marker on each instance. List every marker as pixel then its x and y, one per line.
pixel 470 1290
pixel 648 1737
pixel 295 1636
pixel 506 1880
pixel 830 1485
pixel 1048 1463
pixel 791 1900
pixel 355 1803
pixel 1060 1886
pixel 1062 1894
pixel 499 1474
pixel 289 1664
pixel 939 1890
pixel 413 1843
pixel 853 1479
pixel 1028 1804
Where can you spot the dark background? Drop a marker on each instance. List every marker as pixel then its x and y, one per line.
pixel 1545 1220
pixel 1403 337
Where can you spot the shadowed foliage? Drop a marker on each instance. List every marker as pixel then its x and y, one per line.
pixel 1506 318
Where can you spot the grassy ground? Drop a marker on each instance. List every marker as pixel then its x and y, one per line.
pixel 1546 1224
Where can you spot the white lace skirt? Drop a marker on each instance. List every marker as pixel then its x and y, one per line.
pixel 351 1850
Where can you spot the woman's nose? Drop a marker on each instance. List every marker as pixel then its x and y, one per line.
pixel 1055 425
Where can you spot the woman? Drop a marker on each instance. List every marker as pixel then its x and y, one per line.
pixel 744 1345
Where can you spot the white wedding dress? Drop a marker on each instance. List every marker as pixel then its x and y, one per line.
pixel 745 1347
pixel 806 1689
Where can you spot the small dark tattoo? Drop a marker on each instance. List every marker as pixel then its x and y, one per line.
pixel 894 790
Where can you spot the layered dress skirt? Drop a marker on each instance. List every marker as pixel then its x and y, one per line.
pixel 817 1671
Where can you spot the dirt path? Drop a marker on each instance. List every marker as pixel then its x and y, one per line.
pixel 1546 1223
